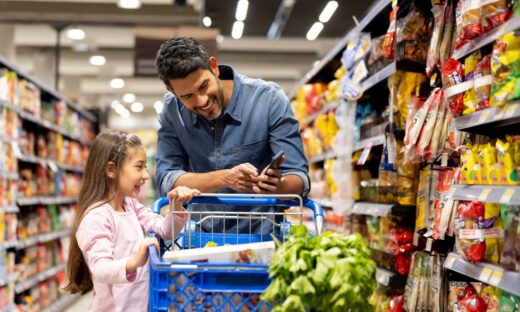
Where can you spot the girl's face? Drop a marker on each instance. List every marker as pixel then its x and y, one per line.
pixel 133 172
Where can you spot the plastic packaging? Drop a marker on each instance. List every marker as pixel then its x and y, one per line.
pixel 433 52
pixel 470 98
pixel 494 13
pixel 469 26
pixel 505 68
pixel 483 81
pixel 452 75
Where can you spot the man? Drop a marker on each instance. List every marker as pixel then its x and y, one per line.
pixel 219 129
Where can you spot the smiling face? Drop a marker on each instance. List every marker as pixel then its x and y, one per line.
pixel 133 173
pixel 201 92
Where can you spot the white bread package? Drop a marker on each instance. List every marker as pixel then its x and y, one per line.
pixel 259 253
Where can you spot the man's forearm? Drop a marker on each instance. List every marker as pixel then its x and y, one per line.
pixel 205 182
pixel 291 184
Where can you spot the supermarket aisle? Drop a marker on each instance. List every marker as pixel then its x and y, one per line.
pixel 81 304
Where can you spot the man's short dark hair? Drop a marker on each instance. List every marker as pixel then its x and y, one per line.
pixel 180 56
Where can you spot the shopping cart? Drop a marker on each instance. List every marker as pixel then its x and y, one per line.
pixel 231 287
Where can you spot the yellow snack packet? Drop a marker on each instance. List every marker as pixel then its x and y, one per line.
pixel 490 174
pixel 470 100
pixel 506 162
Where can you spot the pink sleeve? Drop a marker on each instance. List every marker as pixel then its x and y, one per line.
pixel 96 241
pixel 151 221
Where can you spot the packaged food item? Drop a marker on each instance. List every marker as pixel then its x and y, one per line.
pixel 469 222
pixel 433 52
pixel 431 151
pixel 472 301
pixel 510 259
pixel 470 98
pixel 388 42
pixel 429 123
pixel 443 204
pixel 509 302
pixel 415 127
pixel 506 163
pixel 483 81
pixel 505 67
pixel 469 27
pixel 412 27
pixel 494 13
pixel 452 75
pixel 423 194
pixel 491 296
pixel 376 51
pixel 412 282
pixel 445 48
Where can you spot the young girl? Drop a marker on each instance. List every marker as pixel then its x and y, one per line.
pixel 108 249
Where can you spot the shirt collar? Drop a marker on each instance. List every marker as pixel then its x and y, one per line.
pixel 232 109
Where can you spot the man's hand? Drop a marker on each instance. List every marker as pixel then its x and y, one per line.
pixel 242 178
pixel 268 182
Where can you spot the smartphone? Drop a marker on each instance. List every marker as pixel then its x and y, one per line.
pixel 275 162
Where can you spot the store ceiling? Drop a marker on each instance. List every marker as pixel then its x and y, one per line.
pixel 110 32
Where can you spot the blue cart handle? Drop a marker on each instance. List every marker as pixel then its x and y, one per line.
pixel 252 200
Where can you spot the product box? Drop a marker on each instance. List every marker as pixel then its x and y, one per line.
pixel 260 253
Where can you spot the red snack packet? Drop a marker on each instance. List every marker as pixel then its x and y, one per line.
pixel 388 42
pixel 452 75
pixel 483 82
pixel 472 302
pixel 469 26
pixel 396 304
pixel 494 13
pixel 402 263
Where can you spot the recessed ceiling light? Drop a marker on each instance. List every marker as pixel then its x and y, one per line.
pixel 115 104
pixel 238 29
pixel 137 107
pixel 125 114
pixel 76 34
pixel 158 105
pixel 129 4
pixel 327 12
pixel 314 31
pixel 241 12
pixel 117 83
pixel 97 60
pixel 129 98
pixel 207 21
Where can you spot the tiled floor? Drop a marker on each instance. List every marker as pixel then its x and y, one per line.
pixel 81 304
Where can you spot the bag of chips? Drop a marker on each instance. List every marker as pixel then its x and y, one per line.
pixel 494 13
pixel 452 75
pixel 433 52
pixel 469 26
pixel 505 68
pixel 470 98
pixel 483 81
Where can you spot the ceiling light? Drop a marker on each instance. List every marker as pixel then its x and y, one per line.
pixel 129 98
pixel 158 105
pixel 241 12
pixel 238 29
pixel 117 83
pixel 125 114
pixel 120 109
pixel 220 39
pixel 327 12
pixel 129 4
pixel 76 34
pixel 137 107
pixel 206 21
pixel 97 60
pixel 314 31
pixel 115 104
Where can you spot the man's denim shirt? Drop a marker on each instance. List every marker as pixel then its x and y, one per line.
pixel 257 123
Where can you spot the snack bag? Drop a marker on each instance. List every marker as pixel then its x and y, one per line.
pixel 468 223
pixel 505 68
pixel 506 163
pixel 491 296
pixel 435 143
pixel 510 259
pixel 489 165
pixel 423 195
pixel 429 123
pixel 483 81
pixel 493 233
pixel 433 52
pixel 468 160
pixel 452 75
pixel 445 48
pixel 494 13
pixel 443 204
pixel 388 42
pixel 509 302
pixel 469 26
pixel 470 98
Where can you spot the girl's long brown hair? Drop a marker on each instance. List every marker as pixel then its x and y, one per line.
pixel 97 188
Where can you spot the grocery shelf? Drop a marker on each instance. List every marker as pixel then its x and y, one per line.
pixel 49 162
pixel 8 244
pixel 493 118
pixel 373 141
pixel 485 272
pixel 502 194
pixel 41 238
pixel 46 200
pixel 381 75
pixel 429 244
pixel 45 88
pixel 374 10
pixel 512 24
pixel 322 157
pixel 63 302
pixel 380 210
pixel 40 277
pixel 9 175
pixel 325 108
pixel 43 123
pixel 9 209
pixel 390 279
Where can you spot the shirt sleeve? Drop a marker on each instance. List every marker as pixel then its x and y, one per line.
pixel 151 221
pixel 172 159
pixel 96 241
pixel 284 135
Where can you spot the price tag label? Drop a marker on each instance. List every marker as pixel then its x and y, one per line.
pixel 506 197
pixel 510 110
pixel 449 262
pixel 429 243
pixel 364 156
pixel 484 194
pixel 444 160
pixel 485 274
pixel 483 116
pixel 415 239
pixel 16 149
pixel 52 165
pixel 496 277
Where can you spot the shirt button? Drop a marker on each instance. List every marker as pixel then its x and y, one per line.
pixel 218 154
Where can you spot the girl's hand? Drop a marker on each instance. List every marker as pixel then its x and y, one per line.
pixel 140 258
pixel 181 194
